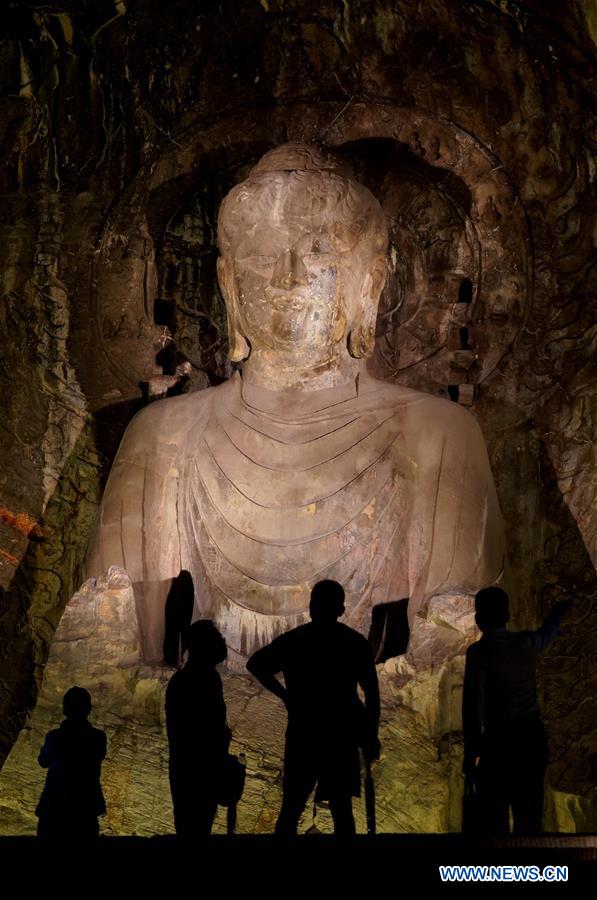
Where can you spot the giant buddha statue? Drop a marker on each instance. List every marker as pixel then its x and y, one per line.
pixel 301 466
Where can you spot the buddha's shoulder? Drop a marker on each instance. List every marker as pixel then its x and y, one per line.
pixel 390 393
pixel 423 410
pixel 168 421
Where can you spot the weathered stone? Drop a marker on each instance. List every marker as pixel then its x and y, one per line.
pixel 418 777
pixel 96 646
pixel 460 119
pixel 306 468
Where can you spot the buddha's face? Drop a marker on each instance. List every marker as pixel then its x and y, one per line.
pixel 297 270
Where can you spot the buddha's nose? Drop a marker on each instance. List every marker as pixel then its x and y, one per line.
pixel 289 271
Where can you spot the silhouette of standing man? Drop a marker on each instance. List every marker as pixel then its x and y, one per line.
pixel 72 797
pixel 323 662
pixel 198 735
pixel 505 744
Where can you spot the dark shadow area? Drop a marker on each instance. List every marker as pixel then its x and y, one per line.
pixel 164 312
pixel 557 565
pixel 167 359
pixel 374 159
pixel 178 614
pixel 566 672
pixel 389 632
pixel 465 291
pixel 316 864
pixel 109 424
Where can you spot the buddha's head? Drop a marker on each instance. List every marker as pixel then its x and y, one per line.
pixel 303 259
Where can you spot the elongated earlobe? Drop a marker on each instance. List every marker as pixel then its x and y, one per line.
pixel 238 346
pixel 361 340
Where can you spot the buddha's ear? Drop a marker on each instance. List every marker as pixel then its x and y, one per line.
pixel 238 348
pixel 361 339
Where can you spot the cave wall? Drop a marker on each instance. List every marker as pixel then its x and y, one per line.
pixel 122 125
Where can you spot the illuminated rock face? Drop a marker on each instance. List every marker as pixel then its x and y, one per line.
pixel 304 467
pixel 418 778
pixel 97 647
pixel 473 134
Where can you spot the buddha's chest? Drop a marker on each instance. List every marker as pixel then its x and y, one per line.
pixel 272 510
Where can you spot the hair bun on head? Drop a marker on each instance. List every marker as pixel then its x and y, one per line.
pixel 298 157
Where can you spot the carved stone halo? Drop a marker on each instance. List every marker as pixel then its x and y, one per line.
pixel 459 280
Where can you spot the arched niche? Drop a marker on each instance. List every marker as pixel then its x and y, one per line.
pixel 460 261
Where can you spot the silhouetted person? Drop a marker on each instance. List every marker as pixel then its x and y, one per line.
pixel 198 736
pixel 323 662
pixel 505 744
pixel 72 797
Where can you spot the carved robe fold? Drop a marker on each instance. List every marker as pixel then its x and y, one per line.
pixel 259 494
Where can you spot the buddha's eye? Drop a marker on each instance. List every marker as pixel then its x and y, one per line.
pixel 257 263
pixel 318 259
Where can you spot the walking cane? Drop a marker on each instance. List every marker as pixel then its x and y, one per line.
pixel 369 798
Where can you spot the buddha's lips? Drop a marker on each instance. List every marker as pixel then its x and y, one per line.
pixel 294 302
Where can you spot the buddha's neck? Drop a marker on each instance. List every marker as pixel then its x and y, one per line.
pixel 279 373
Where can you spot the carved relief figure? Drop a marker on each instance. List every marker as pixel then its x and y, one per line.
pixel 303 467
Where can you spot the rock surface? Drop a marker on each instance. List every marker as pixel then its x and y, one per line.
pixel 418 781
pixel 96 646
pixel 123 126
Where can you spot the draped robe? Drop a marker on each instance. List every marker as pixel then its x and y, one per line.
pixel 259 494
